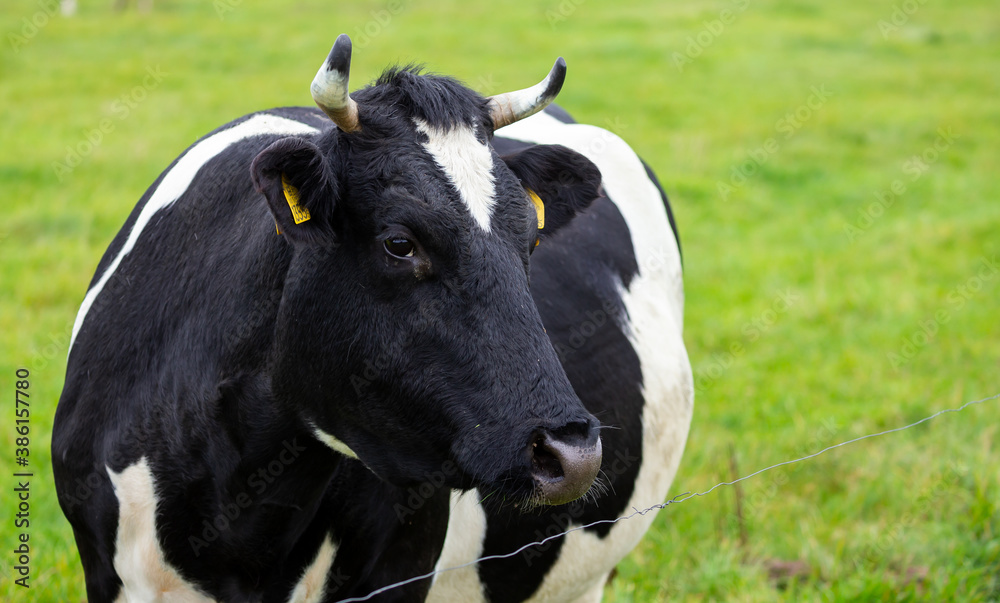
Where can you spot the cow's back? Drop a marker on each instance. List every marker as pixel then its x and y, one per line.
pixel 609 290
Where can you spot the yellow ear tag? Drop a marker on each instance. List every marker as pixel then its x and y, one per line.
pixel 539 209
pixel 300 213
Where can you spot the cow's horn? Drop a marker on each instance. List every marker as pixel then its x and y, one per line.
pixel 329 87
pixel 511 106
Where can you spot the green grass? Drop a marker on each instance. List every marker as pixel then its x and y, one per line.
pixel 863 520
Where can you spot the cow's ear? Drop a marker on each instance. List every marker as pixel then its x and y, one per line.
pixel 300 187
pixel 563 181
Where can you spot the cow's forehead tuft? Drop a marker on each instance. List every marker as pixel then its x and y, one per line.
pixel 406 93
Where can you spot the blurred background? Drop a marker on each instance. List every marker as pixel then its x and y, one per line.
pixel 832 167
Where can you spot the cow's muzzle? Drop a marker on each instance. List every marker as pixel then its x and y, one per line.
pixel 565 462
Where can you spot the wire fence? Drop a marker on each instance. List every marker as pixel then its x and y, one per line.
pixel 676 499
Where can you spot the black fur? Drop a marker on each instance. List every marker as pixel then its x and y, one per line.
pixel 307 169
pixel 560 177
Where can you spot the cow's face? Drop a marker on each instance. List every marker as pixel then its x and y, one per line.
pixel 407 334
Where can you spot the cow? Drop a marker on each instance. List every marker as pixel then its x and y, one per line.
pixel 333 349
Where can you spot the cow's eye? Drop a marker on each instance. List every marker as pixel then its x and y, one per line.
pixel 399 247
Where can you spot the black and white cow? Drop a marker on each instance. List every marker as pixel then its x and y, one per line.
pixel 396 380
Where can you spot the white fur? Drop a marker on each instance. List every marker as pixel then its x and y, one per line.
pixel 333 442
pixel 176 182
pixel 468 164
pixel 462 543
pixel 312 585
pixel 655 307
pixel 146 576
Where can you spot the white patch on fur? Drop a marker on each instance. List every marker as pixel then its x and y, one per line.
pixel 655 307
pixel 462 544
pixel 175 183
pixel 468 164
pixel 146 577
pixel 312 585
pixel 333 442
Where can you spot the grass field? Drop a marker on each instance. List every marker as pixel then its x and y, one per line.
pixel 833 169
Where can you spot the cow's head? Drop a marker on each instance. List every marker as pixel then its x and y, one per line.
pixel 407 335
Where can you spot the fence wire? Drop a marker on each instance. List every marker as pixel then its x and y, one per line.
pixel 676 499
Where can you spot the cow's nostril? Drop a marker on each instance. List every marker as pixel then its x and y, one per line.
pixel 544 463
pixel 564 470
